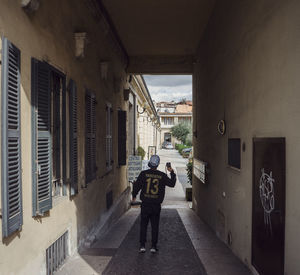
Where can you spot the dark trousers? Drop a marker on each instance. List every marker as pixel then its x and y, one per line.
pixel 149 212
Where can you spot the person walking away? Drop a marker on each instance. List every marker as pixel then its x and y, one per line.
pixel 151 183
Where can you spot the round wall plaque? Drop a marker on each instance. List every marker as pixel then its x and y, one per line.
pixel 221 127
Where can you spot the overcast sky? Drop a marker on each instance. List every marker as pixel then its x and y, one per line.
pixel 169 87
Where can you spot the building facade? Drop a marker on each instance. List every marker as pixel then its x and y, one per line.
pixel 147 120
pixel 171 114
pixel 64 131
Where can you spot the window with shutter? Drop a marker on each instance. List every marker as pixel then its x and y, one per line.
pixel 41 138
pixel 73 137
pixel 90 136
pixel 55 93
pixel 12 217
pixel 122 137
pixel 48 135
pixel 109 159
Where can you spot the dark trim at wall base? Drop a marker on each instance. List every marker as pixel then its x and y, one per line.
pixel 106 220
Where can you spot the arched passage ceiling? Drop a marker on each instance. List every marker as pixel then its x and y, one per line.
pixel 165 31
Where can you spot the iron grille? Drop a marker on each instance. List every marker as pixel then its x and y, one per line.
pixel 57 253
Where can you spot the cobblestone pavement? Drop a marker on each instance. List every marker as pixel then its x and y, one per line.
pixel 187 245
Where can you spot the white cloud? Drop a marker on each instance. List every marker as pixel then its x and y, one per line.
pixel 168 80
pixel 169 87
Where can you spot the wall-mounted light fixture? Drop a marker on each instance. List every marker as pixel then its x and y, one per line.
pixel 80 42
pixel 30 5
pixel 140 112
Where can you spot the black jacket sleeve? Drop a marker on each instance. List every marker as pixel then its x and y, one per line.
pixel 137 186
pixel 170 182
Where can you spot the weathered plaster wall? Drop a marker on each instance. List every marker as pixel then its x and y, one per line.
pixel 48 35
pixel 247 72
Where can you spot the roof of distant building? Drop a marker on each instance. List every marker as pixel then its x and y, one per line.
pixel 173 103
pixel 184 108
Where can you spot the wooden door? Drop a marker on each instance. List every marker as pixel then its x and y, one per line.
pixel 268 208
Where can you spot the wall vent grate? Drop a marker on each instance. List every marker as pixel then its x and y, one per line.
pixel 57 253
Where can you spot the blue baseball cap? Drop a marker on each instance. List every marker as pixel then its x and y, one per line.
pixel 154 161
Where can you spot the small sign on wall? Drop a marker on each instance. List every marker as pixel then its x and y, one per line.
pixel 145 165
pixel 134 167
pixel 199 170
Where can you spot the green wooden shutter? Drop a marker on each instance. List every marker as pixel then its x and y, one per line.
pixel 73 137
pixel 90 136
pixel 41 138
pixel 93 136
pixel 64 136
pixel 12 217
pixel 56 135
pixel 122 137
pixel 87 137
pixel 109 159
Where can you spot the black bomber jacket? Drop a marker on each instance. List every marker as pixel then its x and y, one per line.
pixel 152 184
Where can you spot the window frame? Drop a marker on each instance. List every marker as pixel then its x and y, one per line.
pixel 42 72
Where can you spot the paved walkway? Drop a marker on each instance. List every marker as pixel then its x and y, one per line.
pixel 187 245
pixel 176 252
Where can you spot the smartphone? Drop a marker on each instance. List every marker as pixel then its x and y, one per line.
pixel 168 164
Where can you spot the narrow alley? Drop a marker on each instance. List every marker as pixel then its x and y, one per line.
pixel 79 117
pixel 186 244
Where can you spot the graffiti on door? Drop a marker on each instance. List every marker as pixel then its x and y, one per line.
pixel 266 191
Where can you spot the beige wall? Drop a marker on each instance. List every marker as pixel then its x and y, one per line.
pixel 247 72
pixel 48 35
pixel 147 133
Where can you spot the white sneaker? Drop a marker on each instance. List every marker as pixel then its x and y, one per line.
pixel 142 249
pixel 153 249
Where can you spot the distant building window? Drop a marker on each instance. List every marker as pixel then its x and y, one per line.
pixel 166 111
pixel 184 120
pixel 168 120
